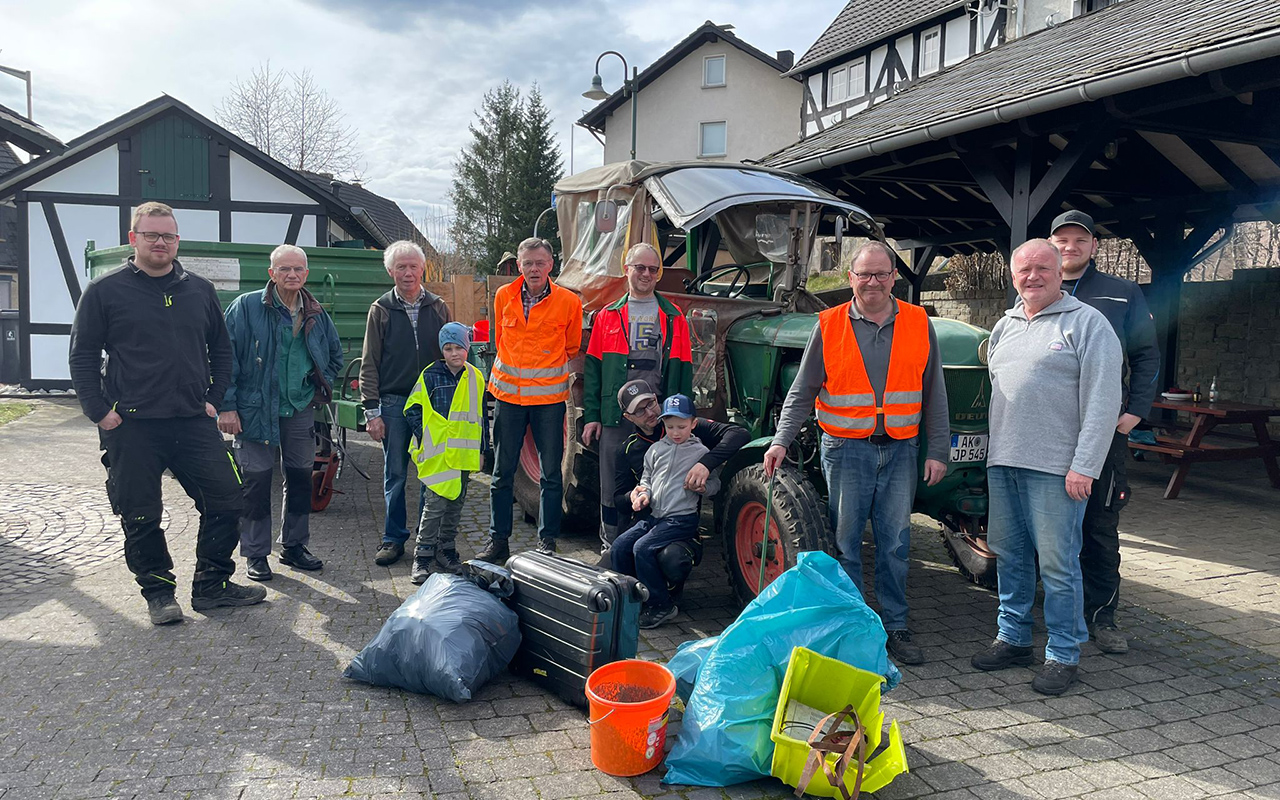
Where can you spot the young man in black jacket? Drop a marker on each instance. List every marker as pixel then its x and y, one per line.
pixel 168 365
pixel 1123 304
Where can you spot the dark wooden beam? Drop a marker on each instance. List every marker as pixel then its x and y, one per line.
pixel 1221 164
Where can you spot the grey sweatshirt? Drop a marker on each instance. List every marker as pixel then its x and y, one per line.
pixel 665 466
pixel 1055 388
pixel 875 342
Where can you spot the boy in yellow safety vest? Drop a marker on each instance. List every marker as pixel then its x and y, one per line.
pixel 446 412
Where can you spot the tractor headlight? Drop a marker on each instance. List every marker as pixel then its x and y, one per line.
pixel 982 351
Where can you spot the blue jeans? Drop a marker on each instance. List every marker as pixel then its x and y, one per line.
pixel 395 470
pixel 635 552
pixel 546 423
pixel 1032 514
pixel 877 481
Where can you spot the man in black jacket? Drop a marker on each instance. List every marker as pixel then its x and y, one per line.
pixel 401 339
pixel 168 366
pixel 1122 303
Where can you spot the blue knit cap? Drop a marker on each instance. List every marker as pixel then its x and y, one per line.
pixel 455 333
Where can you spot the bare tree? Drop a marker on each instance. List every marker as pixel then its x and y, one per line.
pixel 288 116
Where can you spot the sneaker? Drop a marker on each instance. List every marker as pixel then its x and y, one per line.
pixel 902 650
pixel 1054 677
pixel 257 569
pixel 448 561
pixel 653 617
pixel 1109 639
pixel 1001 655
pixel 420 572
pixel 546 546
pixel 299 557
pixel 229 594
pixel 388 554
pixel 164 609
pixel 497 552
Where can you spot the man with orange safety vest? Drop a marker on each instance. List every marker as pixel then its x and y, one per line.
pixel 537 330
pixel 872 366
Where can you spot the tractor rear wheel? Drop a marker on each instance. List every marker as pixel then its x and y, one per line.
pixel 969 552
pixel 797 522
pixel 581 479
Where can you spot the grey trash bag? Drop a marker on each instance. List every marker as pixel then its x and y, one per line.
pixel 448 639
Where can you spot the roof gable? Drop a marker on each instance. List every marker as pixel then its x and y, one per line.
pixel 705 33
pixel 26 134
pixel 386 214
pixel 863 22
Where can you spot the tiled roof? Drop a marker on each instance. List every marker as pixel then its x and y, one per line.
pixel 387 214
pixel 865 21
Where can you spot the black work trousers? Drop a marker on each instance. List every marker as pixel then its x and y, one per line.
pixel 1100 551
pixel 138 451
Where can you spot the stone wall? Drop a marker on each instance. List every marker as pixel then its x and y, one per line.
pixel 976 308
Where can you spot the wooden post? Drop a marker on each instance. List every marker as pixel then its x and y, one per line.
pixel 464 296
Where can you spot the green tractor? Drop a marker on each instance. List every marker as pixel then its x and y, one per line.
pixel 737 243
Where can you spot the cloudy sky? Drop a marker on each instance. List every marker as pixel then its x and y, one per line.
pixel 408 73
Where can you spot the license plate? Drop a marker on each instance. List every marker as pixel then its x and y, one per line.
pixel 968 447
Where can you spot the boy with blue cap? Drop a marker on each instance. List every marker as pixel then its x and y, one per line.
pixel 446 412
pixel 675 508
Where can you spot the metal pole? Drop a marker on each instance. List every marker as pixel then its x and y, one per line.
pixel 635 97
pixel 24 75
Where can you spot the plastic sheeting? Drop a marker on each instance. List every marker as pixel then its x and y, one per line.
pixel 724 736
pixel 448 639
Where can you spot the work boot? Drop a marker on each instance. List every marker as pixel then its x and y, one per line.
pixel 299 557
pixel 421 571
pixel 497 552
pixel 228 594
pixel 546 546
pixel 448 561
pixel 388 554
pixel 1001 655
pixel 901 648
pixel 653 617
pixel 1054 677
pixel 257 568
pixel 164 609
pixel 1109 638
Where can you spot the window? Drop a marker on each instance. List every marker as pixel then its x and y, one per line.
pixel 930 51
pixel 858 78
pixel 712 139
pixel 837 86
pixel 847 82
pixel 712 71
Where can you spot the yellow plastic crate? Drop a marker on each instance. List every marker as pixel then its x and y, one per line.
pixel 815 686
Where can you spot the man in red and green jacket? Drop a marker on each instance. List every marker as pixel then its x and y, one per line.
pixel 641 336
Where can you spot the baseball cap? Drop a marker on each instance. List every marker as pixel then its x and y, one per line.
pixel 677 405
pixel 633 394
pixel 1072 217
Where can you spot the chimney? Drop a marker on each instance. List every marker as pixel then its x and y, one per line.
pixel 787 59
pixel 334 186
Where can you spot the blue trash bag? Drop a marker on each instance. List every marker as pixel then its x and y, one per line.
pixel 724 735
pixel 447 639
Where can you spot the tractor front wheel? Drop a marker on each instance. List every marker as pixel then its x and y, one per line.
pixel 797 522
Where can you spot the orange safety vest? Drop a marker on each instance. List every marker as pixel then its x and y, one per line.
pixel 846 405
pixel 532 367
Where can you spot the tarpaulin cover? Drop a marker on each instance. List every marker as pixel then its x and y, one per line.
pixel 724 736
pixel 447 639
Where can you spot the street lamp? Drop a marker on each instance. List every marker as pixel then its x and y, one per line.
pixel 630 86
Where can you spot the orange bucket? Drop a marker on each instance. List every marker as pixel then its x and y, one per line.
pixel 628 703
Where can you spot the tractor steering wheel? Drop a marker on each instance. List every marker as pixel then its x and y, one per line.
pixel 694 285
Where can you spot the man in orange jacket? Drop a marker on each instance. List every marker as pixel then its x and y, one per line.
pixel 537 330
pixel 872 365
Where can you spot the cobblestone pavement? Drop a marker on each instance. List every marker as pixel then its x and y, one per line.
pixel 250 703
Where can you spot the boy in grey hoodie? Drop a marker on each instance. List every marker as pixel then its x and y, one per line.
pixel 675 508
pixel 1055 395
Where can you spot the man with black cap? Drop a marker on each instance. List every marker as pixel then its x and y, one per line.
pixel 1121 301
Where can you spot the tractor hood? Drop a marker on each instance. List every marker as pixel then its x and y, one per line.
pixel 776 330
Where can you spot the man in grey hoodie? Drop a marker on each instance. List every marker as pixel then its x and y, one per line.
pixel 1055 396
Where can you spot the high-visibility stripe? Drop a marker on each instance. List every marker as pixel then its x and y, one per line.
pixel 535 391
pixel 903 397
pixel 901 420
pixel 846 423
pixel 510 388
pixel 846 400
pixel 442 477
pixel 464 416
pixel 464 444
pixel 531 372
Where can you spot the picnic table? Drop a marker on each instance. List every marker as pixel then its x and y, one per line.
pixel 1205 416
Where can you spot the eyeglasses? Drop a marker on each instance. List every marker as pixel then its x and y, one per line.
pixel 287 270
pixel 645 408
pixel 152 237
pixel 645 268
pixel 866 277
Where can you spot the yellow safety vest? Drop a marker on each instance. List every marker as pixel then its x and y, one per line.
pixel 450 446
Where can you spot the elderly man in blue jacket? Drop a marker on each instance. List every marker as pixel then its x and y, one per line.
pixel 286 359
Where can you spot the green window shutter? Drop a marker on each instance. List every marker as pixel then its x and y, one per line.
pixel 175 160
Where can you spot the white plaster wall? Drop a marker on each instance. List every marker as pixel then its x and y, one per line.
pixel 97 174
pixel 254 228
pixel 49 354
pixel 196 226
pixel 307 236
pixel 957 41
pixel 250 183
pixel 761 108
pixel 906 48
pixel 50 301
pixel 80 224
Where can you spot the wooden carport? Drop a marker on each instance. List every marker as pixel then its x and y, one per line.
pixel 1160 118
